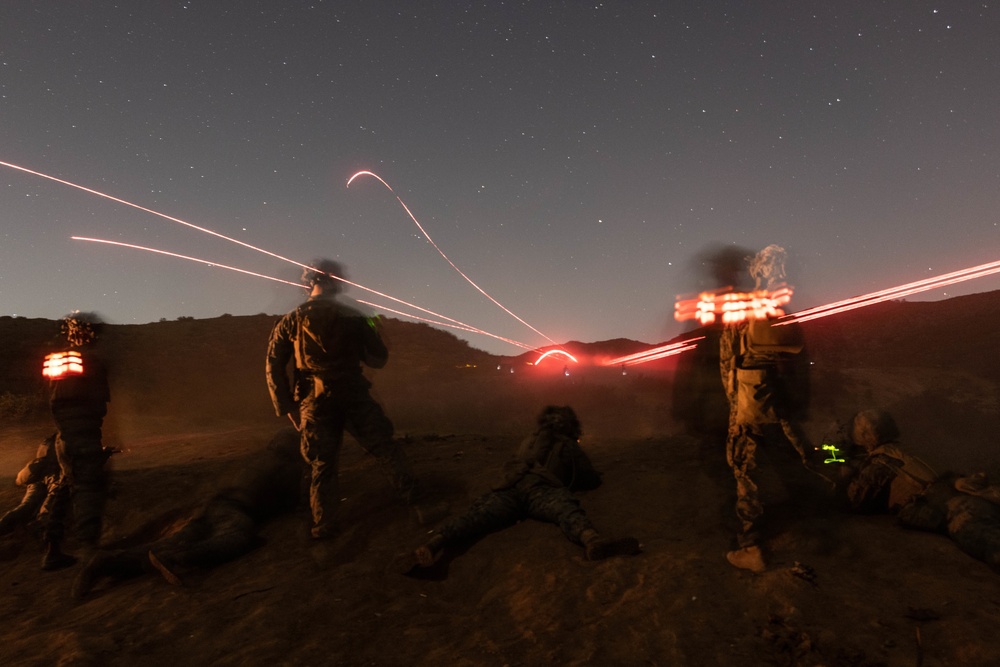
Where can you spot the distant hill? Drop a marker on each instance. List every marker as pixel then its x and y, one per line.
pixel 210 367
pixel 213 369
pixel 958 333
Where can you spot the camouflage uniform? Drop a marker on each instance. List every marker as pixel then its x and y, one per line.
pixel 761 372
pixel 886 480
pixel 973 523
pixel 226 526
pixel 38 476
pixel 536 484
pixel 890 480
pixel 223 529
pixel 329 342
pixel 79 404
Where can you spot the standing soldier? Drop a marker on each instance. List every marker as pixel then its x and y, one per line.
pixel 79 399
pixel 760 364
pixel 329 342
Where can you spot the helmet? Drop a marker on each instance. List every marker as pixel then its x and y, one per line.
pixel 325 272
pixel 561 419
pixel 81 329
pixel 872 428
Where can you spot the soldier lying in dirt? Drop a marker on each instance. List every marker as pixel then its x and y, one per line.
pixel 538 483
pixel 222 529
pixel 887 478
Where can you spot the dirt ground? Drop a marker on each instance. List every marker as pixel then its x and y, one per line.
pixel 841 590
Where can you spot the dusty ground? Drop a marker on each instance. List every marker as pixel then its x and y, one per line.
pixel 841 590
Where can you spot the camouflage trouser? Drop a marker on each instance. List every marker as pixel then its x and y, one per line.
pixel 324 418
pixel 82 480
pixel 742 447
pixel 974 525
pixel 26 510
pixel 972 522
pixel 220 532
pixel 530 498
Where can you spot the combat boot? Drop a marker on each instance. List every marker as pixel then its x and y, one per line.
pixel 55 558
pixel 428 553
pixel 748 558
pixel 320 533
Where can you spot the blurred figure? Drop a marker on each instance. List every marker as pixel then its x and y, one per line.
pixel 79 396
pixel 885 478
pixel 538 483
pixel 329 342
pixel 763 371
pixel 38 476
pixel 221 530
pixel 722 267
pixel 698 401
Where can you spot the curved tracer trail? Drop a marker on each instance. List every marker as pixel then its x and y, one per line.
pixel 441 252
pixel 455 323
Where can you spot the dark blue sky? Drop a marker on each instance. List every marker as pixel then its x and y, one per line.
pixel 571 159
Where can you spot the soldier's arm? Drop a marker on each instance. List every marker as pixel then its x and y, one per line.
pixel 868 491
pixel 279 353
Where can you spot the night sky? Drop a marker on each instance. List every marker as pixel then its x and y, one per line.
pixel 573 159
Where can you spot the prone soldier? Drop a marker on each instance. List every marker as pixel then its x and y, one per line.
pixel 220 530
pixel 885 478
pixel 537 483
